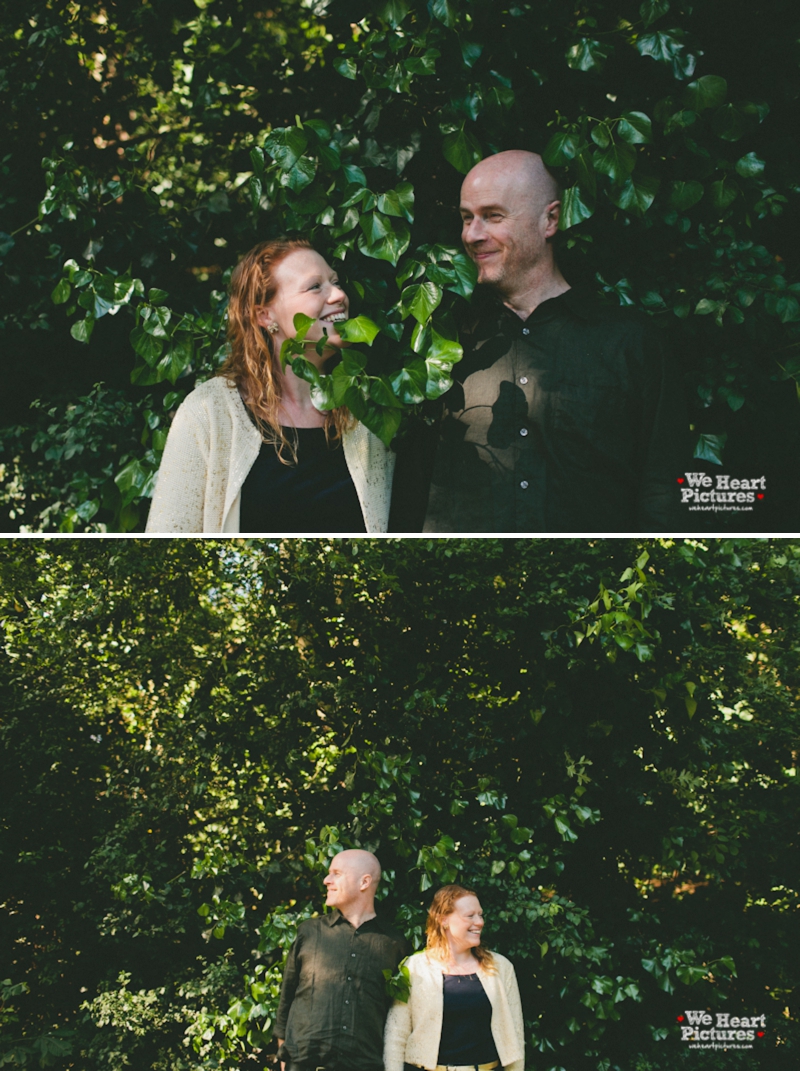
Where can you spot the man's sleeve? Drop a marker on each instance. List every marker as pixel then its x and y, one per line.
pixel 663 438
pixel 291 978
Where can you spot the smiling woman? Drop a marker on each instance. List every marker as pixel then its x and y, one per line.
pixel 248 451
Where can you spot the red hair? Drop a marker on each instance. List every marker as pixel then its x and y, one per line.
pixel 252 363
pixel 443 904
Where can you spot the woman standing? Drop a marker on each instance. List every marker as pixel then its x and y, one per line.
pixel 247 450
pixel 463 1010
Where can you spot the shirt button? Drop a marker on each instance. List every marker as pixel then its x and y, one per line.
pixel 523 431
pixel 353 955
pixel 526 330
pixel 523 379
pixel 523 484
pixel 349 978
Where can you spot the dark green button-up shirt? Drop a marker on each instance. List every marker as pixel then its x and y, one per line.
pixel 334 1002
pixel 570 421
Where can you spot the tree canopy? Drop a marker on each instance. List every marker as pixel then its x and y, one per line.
pixel 174 135
pixel 600 736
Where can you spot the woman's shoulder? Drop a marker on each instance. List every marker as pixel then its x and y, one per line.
pixel 215 390
pixel 502 964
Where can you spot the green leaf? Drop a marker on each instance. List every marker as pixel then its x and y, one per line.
pixel 462 150
pixel 635 128
pixel 438 378
pixel 425 64
pixel 420 299
pixel 61 292
pixel 617 161
pixel 561 148
pixel 652 10
pixel 706 92
pixel 354 175
pixel 410 382
pixel 398 202
pixel 636 195
pixel 444 349
pixel 286 145
pixel 587 55
pixel 728 122
pixel 684 194
pixel 146 345
pixel 470 52
pixel 445 12
pixel 156 296
pixel 300 175
pixel 359 329
pixel 576 206
pixel 750 165
pixel 392 11
pixel 82 329
pixel 709 447
pixel 389 245
pixel 155 320
pixel 723 192
pixel 346 67
pixel 380 391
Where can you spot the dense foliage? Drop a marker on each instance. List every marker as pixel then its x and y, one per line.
pixel 601 737
pixel 176 134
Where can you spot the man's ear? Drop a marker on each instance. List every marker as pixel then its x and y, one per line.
pixel 553 214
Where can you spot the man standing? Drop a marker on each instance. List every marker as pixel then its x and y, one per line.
pixel 333 999
pixel 564 415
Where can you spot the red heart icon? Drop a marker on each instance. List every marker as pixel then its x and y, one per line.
pixel 761 1033
pixel 680 1018
pixel 680 479
pixel 759 495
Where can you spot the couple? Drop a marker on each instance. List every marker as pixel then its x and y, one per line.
pixel 563 416
pixel 463 1011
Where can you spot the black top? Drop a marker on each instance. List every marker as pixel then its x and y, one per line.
pixel 315 495
pixel 333 999
pixel 466 1023
pixel 572 420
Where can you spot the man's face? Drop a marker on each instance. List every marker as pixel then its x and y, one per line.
pixel 502 230
pixel 343 882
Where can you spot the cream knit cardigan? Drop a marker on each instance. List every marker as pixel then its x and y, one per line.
pixel 413 1030
pixel 210 449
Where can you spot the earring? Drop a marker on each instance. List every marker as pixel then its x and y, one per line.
pixel 273 328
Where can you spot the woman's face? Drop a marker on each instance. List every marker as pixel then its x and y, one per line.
pixel 464 923
pixel 306 284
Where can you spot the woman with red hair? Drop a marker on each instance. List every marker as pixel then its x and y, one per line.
pixel 463 1010
pixel 247 450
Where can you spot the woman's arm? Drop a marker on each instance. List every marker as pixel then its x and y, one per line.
pixel 395 1036
pixel 515 1008
pixel 179 495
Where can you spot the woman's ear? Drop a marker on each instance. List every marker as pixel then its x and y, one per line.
pixel 263 316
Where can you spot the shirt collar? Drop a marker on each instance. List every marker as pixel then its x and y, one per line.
pixel 576 301
pixel 335 916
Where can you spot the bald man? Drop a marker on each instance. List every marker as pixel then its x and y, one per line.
pixel 333 999
pixel 565 415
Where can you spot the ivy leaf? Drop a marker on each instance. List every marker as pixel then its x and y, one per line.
pixel 388 246
pixel 587 55
pixel 444 11
pixel 750 165
pixel 706 92
pixel 684 194
pixel 470 52
pixel 728 123
pixel 561 148
pixel 652 10
pixel 617 161
pixel 359 329
pixel 420 299
pixel 668 47
pixel 636 195
pixel 438 378
pixel 444 350
pixel 709 447
pixel 398 202
pixel 300 175
pixel 155 320
pixel 82 329
pixel 61 292
pixel 723 192
pixel 146 345
pixel 380 391
pixel 635 128
pixel 393 12
pixel 346 67
pixel 425 64
pixel 410 382
pixel 286 145
pixel 576 206
pixel 462 150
